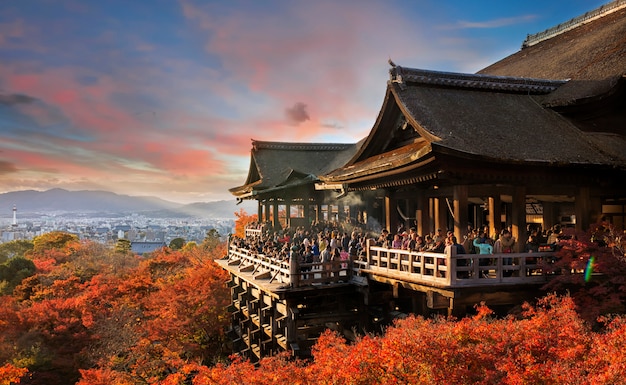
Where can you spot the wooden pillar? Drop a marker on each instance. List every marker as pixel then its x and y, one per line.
pixel 460 211
pixel 307 210
pixel 422 213
pixel 549 216
pixel 391 213
pixel 495 215
pixel 582 208
pixel 441 213
pixel 410 211
pixel 288 213
pixel 290 325
pixel 518 217
pixel 432 214
pixel 268 216
pixel 275 222
pixel 259 211
pixel 318 212
pixel 341 213
pixel 294 270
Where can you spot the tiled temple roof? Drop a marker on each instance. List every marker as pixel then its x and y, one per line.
pixel 474 81
pixel 276 165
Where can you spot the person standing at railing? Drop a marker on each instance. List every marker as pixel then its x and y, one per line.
pixel 285 251
pixel 354 246
pixel 453 243
pixel 307 240
pixel 306 259
pixel 459 247
pixel 409 239
pixel 397 242
pixel 505 244
pixel 531 246
pixel 330 239
pixel 439 236
pixel 406 239
pixel 440 246
pixel 419 244
pixel 345 241
pixel 326 258
pixel 323 242
pixel 315 248
pixel 429 243
pixel 483 248
pixel 384 240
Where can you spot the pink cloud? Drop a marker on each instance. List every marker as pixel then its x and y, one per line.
pixel 148 117
pixel 328 56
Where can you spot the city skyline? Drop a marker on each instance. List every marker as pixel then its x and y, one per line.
pixel 162 98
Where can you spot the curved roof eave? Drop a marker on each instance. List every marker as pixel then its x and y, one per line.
pixel 424 133
pixel 392 99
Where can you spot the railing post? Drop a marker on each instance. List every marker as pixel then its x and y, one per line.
pixel 451 262
pixel 294 270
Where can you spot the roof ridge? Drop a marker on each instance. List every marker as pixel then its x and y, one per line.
pixel 481 81
pixel 300 146
pixel 532 39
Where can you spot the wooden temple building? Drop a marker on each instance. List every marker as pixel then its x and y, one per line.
pixel 536 138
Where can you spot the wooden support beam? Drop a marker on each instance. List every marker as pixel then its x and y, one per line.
pixel 391 213
pixel 266 275
pixel 281 340
pixel 246 268
pixel 460 210
pixel 495 215
pixel 518 217
pixel 421 213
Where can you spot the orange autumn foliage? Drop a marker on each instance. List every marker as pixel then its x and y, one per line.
pixel 9 374
pixel 94 316
pixel 91 318
pixel 546 344
pixel 243 220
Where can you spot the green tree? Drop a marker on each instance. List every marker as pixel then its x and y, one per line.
pixel 122 246
pixel 177 243
pixel 211 240
pixel 13 272
pixel 17 248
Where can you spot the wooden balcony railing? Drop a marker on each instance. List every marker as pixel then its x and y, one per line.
pixel 436 269
pixel 296 274
pixel 451 270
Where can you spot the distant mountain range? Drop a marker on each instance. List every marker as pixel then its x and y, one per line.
pixel 30 202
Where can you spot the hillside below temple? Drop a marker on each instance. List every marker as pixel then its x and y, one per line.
pixel 535 140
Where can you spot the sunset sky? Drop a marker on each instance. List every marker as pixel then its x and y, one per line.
pixel 163 97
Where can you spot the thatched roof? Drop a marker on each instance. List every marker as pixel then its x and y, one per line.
pixel 278 165
pixel 593 50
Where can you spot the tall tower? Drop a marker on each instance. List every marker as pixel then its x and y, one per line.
pixel 14 216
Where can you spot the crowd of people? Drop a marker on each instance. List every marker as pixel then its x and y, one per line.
pixel 475 240
pixel 322 242
pixel 330 241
